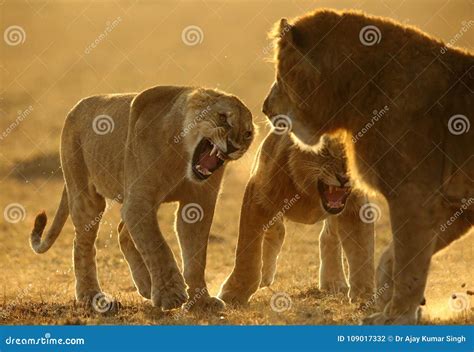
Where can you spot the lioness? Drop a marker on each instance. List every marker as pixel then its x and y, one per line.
pixel 306 187
pixel 333 70
pixel 164 144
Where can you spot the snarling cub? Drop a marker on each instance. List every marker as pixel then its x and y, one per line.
pixel 304 186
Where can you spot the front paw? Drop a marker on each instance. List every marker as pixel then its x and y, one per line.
pixel 171 294
pixel 234 294
pixel 204 303
pixel 334 287
pixel 234 298
pixel 100 302
pixel 362 295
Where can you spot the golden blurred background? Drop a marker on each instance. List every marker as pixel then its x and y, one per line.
pixel 53 53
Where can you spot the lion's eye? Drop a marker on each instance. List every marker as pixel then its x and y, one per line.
pixel 248 134
pixel 223 117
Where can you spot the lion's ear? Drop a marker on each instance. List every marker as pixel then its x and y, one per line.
pixel 283 30
pixel 287 32
pixel 283 27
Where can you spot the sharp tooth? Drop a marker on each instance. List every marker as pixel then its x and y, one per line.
pixel 214 149
pixel 219 155
pixel 203 170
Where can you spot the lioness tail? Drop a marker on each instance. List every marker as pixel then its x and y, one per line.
pixel 40 223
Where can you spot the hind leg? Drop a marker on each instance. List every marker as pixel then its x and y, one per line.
pixel 138 269
pixel 86 212
pixel 272 243
pixel 414 241
pixel 445 235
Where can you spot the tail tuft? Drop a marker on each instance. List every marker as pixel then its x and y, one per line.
pixel 40 221
pixel 39 244
pixel 40 224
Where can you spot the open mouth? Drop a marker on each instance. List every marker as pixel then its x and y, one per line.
pixel 207 158
pixel 333 198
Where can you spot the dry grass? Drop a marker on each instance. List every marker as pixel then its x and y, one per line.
pixel 50 72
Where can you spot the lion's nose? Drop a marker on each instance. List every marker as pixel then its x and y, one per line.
pixel 343 179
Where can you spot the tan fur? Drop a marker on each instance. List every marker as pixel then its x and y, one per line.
pixel 328 81
pixel 144 162
pixel 282 187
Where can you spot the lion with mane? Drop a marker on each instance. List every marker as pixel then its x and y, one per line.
pixel 333 69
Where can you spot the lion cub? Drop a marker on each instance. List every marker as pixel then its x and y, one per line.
pixel 165 144
pixel 289 183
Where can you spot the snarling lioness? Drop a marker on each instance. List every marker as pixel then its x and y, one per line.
pixel 333 70
pixel 165 144
pixel 304 186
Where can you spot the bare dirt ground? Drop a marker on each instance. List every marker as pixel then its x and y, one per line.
pixel 56 66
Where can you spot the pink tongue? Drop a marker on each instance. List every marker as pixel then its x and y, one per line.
pixel 208 161
pixel 335 195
